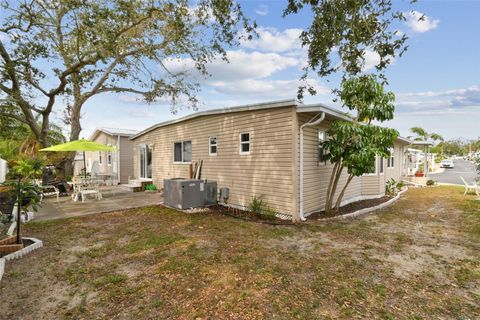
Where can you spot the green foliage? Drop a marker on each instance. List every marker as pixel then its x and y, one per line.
pixel 430 182
pixel 151 187
pixel 391 187
pixel 355 144
pixel 27 169
pixel 65 52
pixel 423 135
pixel 26 192
pixel 260 207
pixel 343 31
pixel 400 185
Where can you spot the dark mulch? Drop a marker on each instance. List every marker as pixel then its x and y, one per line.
pixel 26 243
pixel 351 207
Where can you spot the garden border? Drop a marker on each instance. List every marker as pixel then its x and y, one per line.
pixel 364 211
pixel 20 253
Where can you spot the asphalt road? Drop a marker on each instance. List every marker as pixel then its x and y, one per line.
pixel 462 168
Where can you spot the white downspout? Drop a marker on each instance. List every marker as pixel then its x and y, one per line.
pixel 118 159
pixel 312 122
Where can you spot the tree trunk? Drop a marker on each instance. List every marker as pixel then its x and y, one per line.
pixel 336 173
pixel 342 193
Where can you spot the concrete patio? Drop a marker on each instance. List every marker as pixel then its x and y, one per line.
pixel 114 198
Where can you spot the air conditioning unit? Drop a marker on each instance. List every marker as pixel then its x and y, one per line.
pixel 183 193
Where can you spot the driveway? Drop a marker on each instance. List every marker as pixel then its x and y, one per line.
pixel 462 168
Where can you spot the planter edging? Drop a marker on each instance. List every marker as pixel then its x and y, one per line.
pixel 366 210
pixel 20 253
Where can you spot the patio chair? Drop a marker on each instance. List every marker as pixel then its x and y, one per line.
pixel 470 187
pixel 47 190
pixel 86 189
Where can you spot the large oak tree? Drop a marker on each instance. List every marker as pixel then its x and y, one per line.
pixel 57 54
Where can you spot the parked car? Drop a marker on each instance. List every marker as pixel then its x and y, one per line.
pixel 447 164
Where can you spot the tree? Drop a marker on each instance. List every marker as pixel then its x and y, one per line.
pixel 341 35
pixel 62 53
pixel 355 145
pixel 423 135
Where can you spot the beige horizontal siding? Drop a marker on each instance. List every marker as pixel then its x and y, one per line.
pixel 126 159
pixel 267 170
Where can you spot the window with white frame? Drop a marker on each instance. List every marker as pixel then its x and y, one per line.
pixel 391 159
pixel 100 160
pixel 381 165
pixel 109 156
pixel 212 146
pixel 182 151
pixel 244 143
pixel 322 137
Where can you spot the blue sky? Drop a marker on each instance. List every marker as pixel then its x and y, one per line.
pixel 437 81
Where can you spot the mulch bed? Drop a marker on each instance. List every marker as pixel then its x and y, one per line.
pixel 351 207
pixel 26 243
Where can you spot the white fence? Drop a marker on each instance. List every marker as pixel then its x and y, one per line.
pixel 3 170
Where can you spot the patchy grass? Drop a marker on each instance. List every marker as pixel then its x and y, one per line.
pixel 418 259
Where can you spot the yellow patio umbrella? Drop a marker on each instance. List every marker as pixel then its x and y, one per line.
pixel 79 145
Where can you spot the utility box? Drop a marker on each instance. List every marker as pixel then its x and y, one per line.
pixel 183 193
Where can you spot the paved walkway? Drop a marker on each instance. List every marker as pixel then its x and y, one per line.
pixel 113 199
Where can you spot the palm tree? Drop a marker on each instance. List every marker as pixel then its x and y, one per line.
pixel 423 135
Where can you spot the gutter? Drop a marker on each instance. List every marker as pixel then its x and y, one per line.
pixel 313 122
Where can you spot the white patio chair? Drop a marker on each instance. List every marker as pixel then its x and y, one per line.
pixel 470 187
pixel 91 188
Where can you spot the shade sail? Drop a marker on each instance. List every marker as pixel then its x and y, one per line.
pixel 79 145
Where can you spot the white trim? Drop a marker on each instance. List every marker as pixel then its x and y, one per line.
pixel 211 145
pixel 181 144
pixel 241 143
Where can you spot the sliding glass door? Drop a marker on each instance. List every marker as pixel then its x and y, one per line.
pixel 145 161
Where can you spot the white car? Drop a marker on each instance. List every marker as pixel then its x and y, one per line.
pixel 447 164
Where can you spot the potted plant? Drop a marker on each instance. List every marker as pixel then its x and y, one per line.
pixel 419 172
pixel 150 188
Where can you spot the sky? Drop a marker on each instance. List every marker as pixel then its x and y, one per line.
pixel 436 82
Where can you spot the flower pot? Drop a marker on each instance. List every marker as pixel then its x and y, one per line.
pixel 419 174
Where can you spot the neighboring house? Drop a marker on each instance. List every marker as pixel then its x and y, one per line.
pixel 416 158
pixel 118 164
pixel 255 150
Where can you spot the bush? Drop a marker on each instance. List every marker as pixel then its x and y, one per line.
pixel 400 185
pixel 390 187
pixel 261 208
pixel 430 182
pixel 150 187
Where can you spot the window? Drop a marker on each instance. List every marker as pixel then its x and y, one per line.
pixel 145 161
pixel 322 135
pixel 381 165
pixel 182 151
pixel 374 171
pixel 391 159
pixel 109 156
pixel 99 157
pixel 244 143
pixel 212 146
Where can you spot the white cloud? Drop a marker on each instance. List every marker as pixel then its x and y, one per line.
pixel 419 22
pixel 266 89
pixel 272 40
pixel 261 10
pixel 243 65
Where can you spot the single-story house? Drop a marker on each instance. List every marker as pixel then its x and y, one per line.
pixel 116 164
pixel 257 150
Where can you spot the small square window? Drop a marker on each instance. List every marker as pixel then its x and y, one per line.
pixel 244 143
pixel 182 151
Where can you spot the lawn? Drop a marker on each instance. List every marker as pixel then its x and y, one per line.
pixel 418 259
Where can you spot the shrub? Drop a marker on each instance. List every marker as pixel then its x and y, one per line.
pixel 261 208
pixel 400 185
pixel 390 187
pixel 430 182
pixel 151 187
